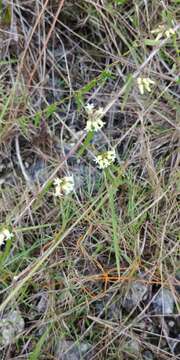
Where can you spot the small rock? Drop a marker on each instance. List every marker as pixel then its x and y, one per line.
pixel 136 293
pixel 171 323
pixel 132 347
pixel 42 303
pixel 68 350
pixel 147 355
pixel 173 344
pixel 163 303
pixel 86 176
pixel 38 171
pixel 11 326
pixel 174 327
pixel 109 310
pixel 177 348
pixel 178 275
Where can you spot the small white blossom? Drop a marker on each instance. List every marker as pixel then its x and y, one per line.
pixel 105 159
pixel 89 108
pixel 5 235
pixel 144 84
pixel 64 185
pixel 162 31
pixel 94 121
pixel 169 32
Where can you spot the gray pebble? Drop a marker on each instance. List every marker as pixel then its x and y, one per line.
pixel 68 350
pixel 148 355
pixel 163 303
pixel 132 347
pixel 11 326
pixel 38 171
pixel 137 292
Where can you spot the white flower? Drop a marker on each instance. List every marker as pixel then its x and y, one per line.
pixel 159 31
pixel 105 159
pixel 94 125
pixel 5 235
pixel 64 185
pixel 94 121
pixel 144 84
pixel 169 32
pixel 162 31
pixel 89 108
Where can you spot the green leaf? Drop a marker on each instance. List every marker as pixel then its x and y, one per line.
pixel 79 94
pixel 50 110
pixel 1 8
pixel 6 17
pixel 5 253
pixel 4 109
pixel 178 80
pixel 120 2
pixel 23 124
pixel 79 100
pixel 106 75
pixel 167 17
pixel 151 42
pixel 8 62
pixel 86 143
pixel 37 119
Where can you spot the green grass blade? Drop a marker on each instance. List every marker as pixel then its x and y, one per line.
pixel 115 237
pixel 37 351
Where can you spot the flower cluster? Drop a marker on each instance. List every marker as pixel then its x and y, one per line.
pixel 64 185
pixel 162 32
pixel 144 84
pixel 5 235
pixel 94 122
pixel 105 159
